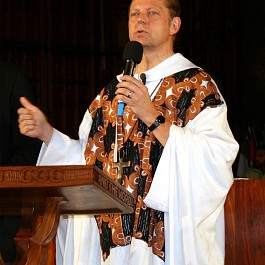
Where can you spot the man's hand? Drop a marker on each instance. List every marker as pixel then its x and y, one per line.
pixel 133 93
pixel 33 123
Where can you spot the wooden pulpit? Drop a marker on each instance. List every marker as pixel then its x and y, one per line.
pixel 40 194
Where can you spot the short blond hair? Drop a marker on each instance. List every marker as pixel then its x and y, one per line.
pixel 173 7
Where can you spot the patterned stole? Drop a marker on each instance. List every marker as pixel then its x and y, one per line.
pixel 180 98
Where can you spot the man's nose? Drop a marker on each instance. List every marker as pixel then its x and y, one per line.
pixel 142 18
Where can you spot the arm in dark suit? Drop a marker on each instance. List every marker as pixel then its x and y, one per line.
pixel 15 148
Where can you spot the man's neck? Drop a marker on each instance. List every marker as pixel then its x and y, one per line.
pixel 152 59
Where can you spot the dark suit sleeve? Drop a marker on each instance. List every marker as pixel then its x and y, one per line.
pixel 25 149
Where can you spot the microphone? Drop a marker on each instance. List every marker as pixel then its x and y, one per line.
pixel 132 55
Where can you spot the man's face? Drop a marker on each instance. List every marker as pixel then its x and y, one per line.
pixel 149 22
pixel 260 158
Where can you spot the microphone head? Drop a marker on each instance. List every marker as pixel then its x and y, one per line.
pixel 133 50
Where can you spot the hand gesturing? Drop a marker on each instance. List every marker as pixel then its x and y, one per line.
pixel 32 122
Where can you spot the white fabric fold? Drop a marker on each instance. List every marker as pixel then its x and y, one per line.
pixel 191 188
pixel 65 151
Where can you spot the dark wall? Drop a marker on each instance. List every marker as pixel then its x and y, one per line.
pixel 72 48
pixel 251 65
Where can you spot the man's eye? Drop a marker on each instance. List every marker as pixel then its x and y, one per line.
pixel 151 13
pixel 134 14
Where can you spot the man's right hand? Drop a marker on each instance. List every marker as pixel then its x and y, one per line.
pixel 33 123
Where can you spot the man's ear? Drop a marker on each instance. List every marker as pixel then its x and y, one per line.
pixel 175 25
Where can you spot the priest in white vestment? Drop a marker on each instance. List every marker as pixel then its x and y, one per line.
pixel 175 133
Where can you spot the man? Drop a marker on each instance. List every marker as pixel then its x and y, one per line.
pixel 258 170
pixel 15 149
pixel 175 137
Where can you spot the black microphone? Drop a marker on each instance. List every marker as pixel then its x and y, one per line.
pixel 132 55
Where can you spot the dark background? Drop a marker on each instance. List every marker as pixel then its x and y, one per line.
pixel 72 48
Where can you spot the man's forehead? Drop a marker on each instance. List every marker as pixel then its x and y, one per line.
pixel 155 3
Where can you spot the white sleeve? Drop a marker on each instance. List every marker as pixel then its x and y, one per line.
pixel 190 185
pixel 63 150
pixel 198 156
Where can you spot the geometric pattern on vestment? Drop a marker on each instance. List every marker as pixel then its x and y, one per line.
pixel 179 99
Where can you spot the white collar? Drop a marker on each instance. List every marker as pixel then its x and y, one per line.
pixel 171 65
pixel 175 63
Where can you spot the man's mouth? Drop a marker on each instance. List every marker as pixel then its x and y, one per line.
pixel 140 31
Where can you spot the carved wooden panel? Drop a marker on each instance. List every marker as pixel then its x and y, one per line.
pixel 85 189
